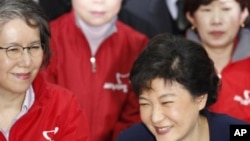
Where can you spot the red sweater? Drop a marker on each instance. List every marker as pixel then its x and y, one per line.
pixel 106 93
pixel 55 109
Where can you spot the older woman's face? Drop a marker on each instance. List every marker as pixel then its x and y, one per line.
pixel 96 12
pixel 170 112
pixel 218 23
pixel 16 75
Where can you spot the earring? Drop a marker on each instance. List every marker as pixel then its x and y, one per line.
pixel 242 25
pixel 193 27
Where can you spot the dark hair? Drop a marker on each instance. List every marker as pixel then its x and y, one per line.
pixel 32 14
pixel 192 5
pixel 176 59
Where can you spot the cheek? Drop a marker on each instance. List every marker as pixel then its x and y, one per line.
pixel 5 64
pixel 114 8
pixel 202 26
pixel 80 7
pixel 38 62
pixel 233 22
pixel 145 114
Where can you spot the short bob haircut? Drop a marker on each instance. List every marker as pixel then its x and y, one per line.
pixel 32 14
pixel 176 59
pixel 192 5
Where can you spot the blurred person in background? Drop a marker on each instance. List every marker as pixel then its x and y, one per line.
pixel 92 56
pixel 153 17
pixel 219 25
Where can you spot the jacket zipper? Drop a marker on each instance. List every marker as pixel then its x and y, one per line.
pixel 93 63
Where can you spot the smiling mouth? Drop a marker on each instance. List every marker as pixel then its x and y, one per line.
pixel 162 130
pixel 23 76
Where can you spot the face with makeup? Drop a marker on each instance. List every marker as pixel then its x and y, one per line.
pixel 218 22
pixel 96 12
pixel 170 112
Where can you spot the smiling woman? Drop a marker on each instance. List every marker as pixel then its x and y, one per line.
pixel 176 82
pixel 30 107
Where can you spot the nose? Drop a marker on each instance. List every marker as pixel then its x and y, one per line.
pixel 157 115
pixel 216 17
pixel 25 58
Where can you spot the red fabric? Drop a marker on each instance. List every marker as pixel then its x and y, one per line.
pixel 53 108
pixel 111 109
pixel 235 83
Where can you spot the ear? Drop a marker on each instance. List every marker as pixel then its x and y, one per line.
pixel 244 15
pixel 190 18
pixel 201 101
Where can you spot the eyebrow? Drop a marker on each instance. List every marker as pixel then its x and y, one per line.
pixel 167 95
pixel 31 43
pixel 162 96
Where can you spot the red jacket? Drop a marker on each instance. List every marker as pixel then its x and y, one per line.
pixel 234 96
pixel 55 115
pixel 106 93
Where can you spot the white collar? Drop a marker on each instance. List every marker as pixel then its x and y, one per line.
pixel 96 35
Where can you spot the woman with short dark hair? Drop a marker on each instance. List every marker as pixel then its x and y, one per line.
pixel 176 82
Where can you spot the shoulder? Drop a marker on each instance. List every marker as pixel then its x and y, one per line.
pixel 51 93
pixel 219 125
pixel 137 132
pixel 63 20
pixel 219 119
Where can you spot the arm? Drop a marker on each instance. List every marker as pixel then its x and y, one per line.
pixel 75 125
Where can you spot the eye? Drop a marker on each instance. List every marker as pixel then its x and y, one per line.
pixel 14 49
pixel 143 104
pixel 35 47
pixel 167 102
pixel 226 9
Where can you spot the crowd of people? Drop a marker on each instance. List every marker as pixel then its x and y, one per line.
pixel 107 70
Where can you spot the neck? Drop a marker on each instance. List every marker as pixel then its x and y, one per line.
pixel 95 35
pixel 11 101
pixel 201 131
pixel 10 107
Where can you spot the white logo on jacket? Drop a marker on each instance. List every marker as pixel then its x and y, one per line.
pixel 46 134
pixel 245 100
pixel 119 85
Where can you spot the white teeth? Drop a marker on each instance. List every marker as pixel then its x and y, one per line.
pixel 163 129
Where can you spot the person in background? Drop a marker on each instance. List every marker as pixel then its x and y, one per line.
pixel 92 56
pixel 219 25
pixel 176 82
pixel 54 8
pixel 153 17
pixel 30 107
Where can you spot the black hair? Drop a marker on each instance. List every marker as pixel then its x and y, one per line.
pixel 176 59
